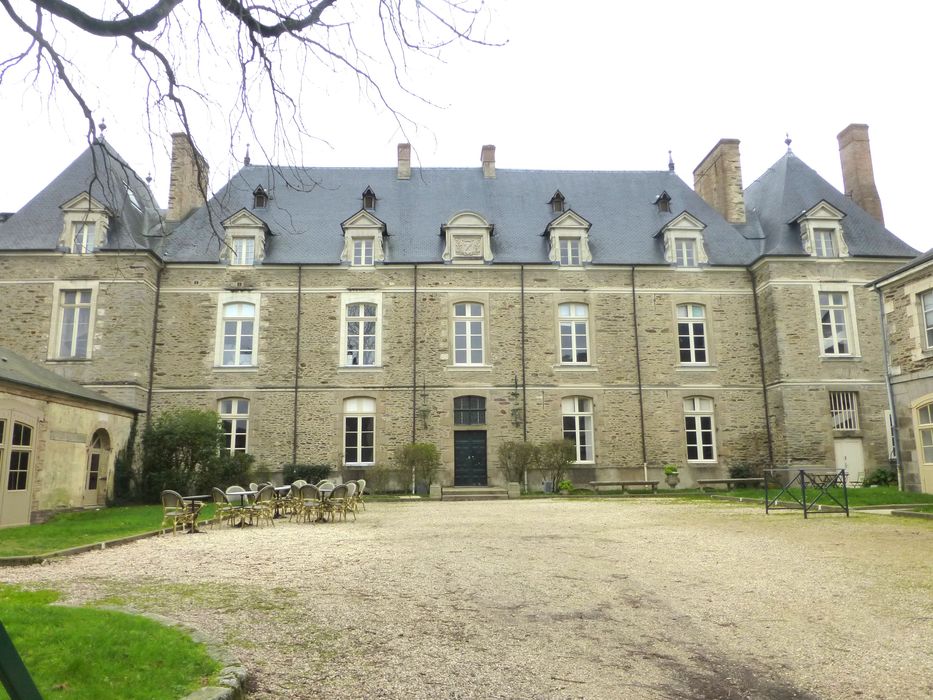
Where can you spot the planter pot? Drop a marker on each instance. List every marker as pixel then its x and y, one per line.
pixel 547 486
pixel 672 480
pixel 564 492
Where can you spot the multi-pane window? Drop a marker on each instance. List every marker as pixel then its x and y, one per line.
pixel 84 237
pixel 578 425
pixel 359 431
pixel 685 252
pixel 362 251
pixel 926 301
pixel 574 341
pixel 94 461
pixel 468 334
pixel 75 311
pixel 925 430
pixel 239 323
pixel 834 323
pixel 569 251
pixel 691 334
pixel 20 456
pixel 843 407
pixel 244 250
pixel 824 243
pixel 469 410
pixel 361 335
pixel 234 418
pixel 699 429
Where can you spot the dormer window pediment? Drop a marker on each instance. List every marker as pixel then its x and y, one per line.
pixel 244 239
pixel 568 236
pixel 684 245
pixel 363 239
pixel 86 223
pixel 821 231
pixel 663 202
pixel 467 239
pixel 557 203
pixel 260 198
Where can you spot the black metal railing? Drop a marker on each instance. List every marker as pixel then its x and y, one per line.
pixel 806 489
pixel 16 679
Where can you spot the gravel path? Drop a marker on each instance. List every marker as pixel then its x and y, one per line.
pixel 606 598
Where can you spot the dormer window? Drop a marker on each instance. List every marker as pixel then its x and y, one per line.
pixel 821 232
pixel 557 203
pixel 569 239
pixel 663 201
pixel 244 250
pixel 260 198
pixel 467 237
pixel 369 199
pixel 86 222
pixel 84 239
pixel 362 238
pixel 683 242
pixel 245 239
pixel 363 251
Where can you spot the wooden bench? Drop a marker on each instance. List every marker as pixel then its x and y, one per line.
pixel 731 483
pixel 625 485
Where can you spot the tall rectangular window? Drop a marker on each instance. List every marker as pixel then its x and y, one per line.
pixel 20 457
pixel 234 418
pixel 359 431
pixel 578 425
pixel 468 334
pixel 824 241
pixel 691 334
pixel 843 407
pixel 685 252
pixel 361 335
pixel 926 302
pixel 835 323
pixel 244 250
pixel 574 341
pixel 569 251
pixel 362 251
pixel 84 237
pixel 925 432
pixel 699 429
pixel 238 329
pixel 74 325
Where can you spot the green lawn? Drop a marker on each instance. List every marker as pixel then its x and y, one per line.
pixel 79 653
pixel 877 496
pixel 82 527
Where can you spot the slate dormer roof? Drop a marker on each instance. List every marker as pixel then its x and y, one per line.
pixel 101 171
pixel 790 187
pixel 306 224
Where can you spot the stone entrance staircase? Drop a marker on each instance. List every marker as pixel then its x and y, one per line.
pixel 473 493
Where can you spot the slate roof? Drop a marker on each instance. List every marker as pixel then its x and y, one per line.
pixel 101 171
pixel 18 370
pixel 790 187
pixel 306 224
pixel 918 262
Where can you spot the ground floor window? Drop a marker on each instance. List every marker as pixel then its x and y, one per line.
pixel 925 430
pixel 359 431
pixel 699 429
pixel 20 457
pixel 234 417
pixel 578 425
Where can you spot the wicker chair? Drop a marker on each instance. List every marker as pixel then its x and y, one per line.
pixel 223 508
pixel 309 503
pixel 263 508
pixel 358 498
pixel 335 505
pixel 176 511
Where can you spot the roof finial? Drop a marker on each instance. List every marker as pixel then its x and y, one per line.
pixel 670 162
pixel 102 127
pixel 787 140
pixel 149 178
pixel 246 157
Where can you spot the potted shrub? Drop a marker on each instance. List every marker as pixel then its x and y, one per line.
pixel 565 487
pixel 671 475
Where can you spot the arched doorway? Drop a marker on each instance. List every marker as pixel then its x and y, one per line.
pixel 98 461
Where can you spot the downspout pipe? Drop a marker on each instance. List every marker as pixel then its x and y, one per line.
pixel 641 400
pixel 761 367
pixel 297 368
pixel 521 279
pixel 414 357
pixel 152 344
pixel 885 354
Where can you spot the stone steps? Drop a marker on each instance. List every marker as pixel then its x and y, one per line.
pixel 473 493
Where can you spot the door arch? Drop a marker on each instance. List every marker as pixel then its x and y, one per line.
pixel 98 463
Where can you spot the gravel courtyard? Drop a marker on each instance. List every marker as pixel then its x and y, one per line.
pixel 629 598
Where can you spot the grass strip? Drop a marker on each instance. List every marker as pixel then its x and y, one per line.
pixel 869 496
pixel 86 653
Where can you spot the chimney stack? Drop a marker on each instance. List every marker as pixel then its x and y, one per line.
pixel 718 180
pixel 489 161
pixel 858 176
pixel 188 180
pixel 404 161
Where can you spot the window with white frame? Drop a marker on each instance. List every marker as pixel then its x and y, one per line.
pixel 362 251
pixel 359 431
pixel 925 432
pixel 926 304
pixel 569 251
pixel 685 252
pixel 244 250
pixel 239 325
pixel 577 414
pixel 20 457
pixel 74 323
pixel 835 323
pixel 699 429
pixel 361 330
pixel 234 417
pixel 574 334
pixel 468 334
pixel 85 237
pixel 824 243
pixel 843 408
pixel 691 334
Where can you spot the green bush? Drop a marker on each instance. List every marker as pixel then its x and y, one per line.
pixel 515 458
pixel 380 478
pixel 882 476
pixel 312 473
pixel 422 457
pixel 742 470
pixel 125 486
pixel 671 469
pixel 555 458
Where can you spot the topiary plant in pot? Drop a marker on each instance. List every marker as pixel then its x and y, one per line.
pixel 671 475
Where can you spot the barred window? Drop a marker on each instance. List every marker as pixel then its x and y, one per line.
pixel 843 407
pixel 469 410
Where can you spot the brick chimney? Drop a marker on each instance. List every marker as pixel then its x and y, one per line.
pixel 858 176
pixel 718 180
pixel 404 161
pixel 489 161
pixel 184 193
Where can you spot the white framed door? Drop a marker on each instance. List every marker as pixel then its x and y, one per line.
pixel 851 457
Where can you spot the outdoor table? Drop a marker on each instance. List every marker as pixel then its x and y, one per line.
pixel 242 495
pixel 323 495
pixel 191 500
pixel 280 492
